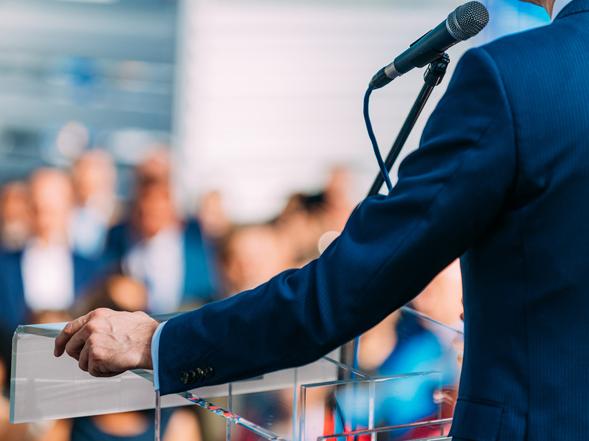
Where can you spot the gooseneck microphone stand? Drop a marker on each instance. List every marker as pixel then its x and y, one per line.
pixel 433 77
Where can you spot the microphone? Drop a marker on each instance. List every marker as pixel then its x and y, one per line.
pixel 465 22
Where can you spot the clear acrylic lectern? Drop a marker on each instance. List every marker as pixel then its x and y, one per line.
pixel 325 401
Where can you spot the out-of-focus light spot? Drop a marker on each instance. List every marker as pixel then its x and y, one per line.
pixel 326 239
pixel 72 139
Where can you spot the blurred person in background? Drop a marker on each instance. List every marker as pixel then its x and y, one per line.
pixel 97 209
pixel 251 254
pixel 337 194
pixel 47 274
pixel 300 227
pixel 212 216
pixel 156 246
pixel 155 166
pixel 116 291
pixel 310 222
pixel 15 216
pixel 405 342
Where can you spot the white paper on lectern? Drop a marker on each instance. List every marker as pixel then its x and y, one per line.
pixel 45 387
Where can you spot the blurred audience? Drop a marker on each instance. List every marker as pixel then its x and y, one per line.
pixel 15 216
pixel 96 205
pixel 46 274
pixel 67 246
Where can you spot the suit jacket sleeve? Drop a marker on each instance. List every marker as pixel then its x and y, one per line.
pixel 450 193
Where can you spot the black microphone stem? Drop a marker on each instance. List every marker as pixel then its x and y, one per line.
pixel 432 78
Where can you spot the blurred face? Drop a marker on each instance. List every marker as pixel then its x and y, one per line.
pixel 93 175
pixel 127 293
pixel 155 210
pixel 15 213
pixel 212 215
pixel 157 166
pixel 442 298
pixel 51 202
pixel 254 256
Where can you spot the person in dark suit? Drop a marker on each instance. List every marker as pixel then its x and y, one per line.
pixel 501 179
pixel 169 255
pixel 46 274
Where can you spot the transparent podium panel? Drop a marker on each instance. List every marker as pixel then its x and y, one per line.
pixel 409 395
pixel 345 407
pixel 419 431
pixel 44 387
pixel 361 405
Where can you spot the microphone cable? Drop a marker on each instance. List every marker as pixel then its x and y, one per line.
pixel 371 135
pixel 387 179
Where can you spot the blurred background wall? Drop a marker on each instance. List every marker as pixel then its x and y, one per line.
pixel 257 98
pixel 270 92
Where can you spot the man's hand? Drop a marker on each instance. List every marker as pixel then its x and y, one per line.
pixel 107 343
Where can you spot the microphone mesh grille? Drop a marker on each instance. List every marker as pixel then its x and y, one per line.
pixel 468 20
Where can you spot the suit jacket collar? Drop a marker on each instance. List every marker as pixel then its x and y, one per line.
pixel 574 7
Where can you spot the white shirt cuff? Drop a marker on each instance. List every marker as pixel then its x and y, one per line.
pixel 155 347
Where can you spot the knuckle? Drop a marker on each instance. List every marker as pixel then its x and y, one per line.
pixel 68 329
pixel 101 312
pixel 96 355
pixel 93 326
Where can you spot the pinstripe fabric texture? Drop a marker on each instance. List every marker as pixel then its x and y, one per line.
pixel 501 178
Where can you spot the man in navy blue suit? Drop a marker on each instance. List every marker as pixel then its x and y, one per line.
pixel 501 179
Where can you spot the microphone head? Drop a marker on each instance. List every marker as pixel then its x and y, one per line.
pixel 467 20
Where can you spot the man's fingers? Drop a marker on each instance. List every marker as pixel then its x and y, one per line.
pixel 76 343
pixel 68 332
pixel 84 355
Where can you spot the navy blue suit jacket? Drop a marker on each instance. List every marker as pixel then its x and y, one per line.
pixel 501 179
pixel 14 310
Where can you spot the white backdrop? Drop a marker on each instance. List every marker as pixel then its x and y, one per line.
pixel 270 93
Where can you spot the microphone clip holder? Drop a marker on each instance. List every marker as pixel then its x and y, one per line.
pixel 432 77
